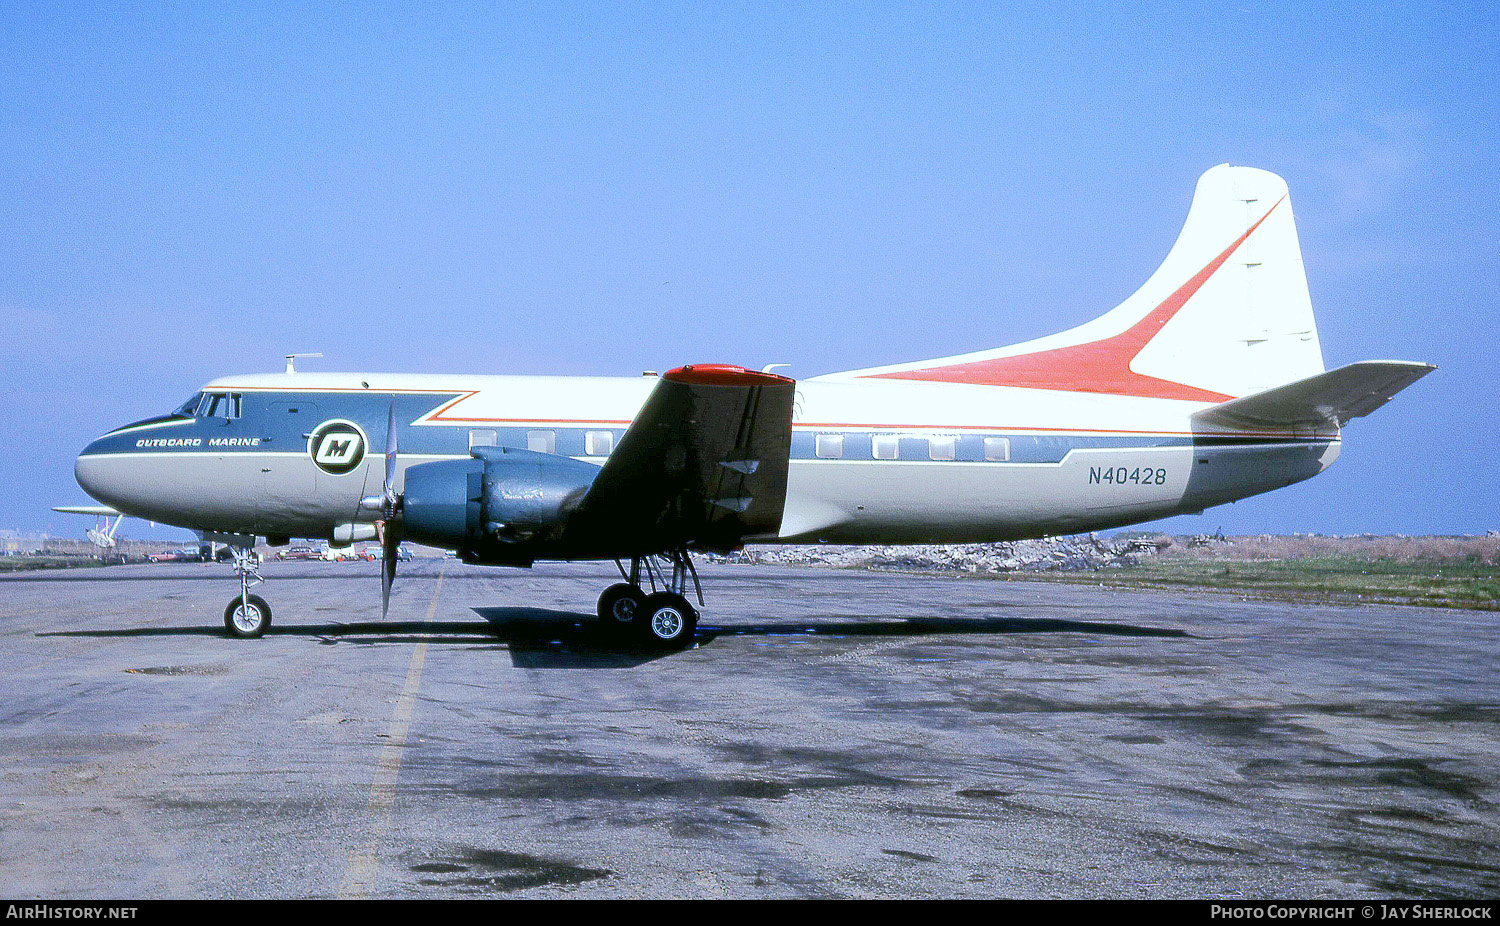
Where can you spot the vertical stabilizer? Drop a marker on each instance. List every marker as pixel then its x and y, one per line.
pixel 1227 314
pixel 1250 326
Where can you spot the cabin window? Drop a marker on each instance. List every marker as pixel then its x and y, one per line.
pixel 885 447
pixel 598 443
pixel 829 446
pixel 997 449
pixel 483 437
pixel 541 441
pixel 942 448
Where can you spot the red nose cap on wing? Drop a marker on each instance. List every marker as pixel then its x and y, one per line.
pixel 724 374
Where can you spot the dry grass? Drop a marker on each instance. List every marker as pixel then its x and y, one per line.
pixel 1473 551
pixel 1459 572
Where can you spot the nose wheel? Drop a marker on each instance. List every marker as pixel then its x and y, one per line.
pixel 247 617
pixel 662 619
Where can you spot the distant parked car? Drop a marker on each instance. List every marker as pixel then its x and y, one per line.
pixel 403 553
pixel 301 551
pixel 191 555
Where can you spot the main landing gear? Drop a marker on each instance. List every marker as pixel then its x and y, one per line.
pixel 661 619
pixel 247 615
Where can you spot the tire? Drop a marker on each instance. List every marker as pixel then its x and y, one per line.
pixel 253 626
pixel 620 606
pixel 667 620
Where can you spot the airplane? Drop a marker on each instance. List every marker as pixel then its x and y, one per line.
pixel 1205 386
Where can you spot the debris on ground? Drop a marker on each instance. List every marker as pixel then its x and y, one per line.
pixel 1077 553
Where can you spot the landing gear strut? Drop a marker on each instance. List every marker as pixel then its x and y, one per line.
pixel 663 618
pixel 247 615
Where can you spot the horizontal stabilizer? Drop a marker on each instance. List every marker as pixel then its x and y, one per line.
pixel 104 510
pixel 1322 402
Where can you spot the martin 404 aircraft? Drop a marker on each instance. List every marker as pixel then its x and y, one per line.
pixel 1205 386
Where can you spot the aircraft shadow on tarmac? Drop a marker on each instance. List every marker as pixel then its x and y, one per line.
pixel 590 646
pixel 209 573
pixel 539 638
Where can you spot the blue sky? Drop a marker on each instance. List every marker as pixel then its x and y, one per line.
pixel 189 191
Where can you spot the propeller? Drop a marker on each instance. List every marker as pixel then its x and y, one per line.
pixel 387 526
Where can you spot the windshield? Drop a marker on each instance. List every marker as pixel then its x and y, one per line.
pixel 186 409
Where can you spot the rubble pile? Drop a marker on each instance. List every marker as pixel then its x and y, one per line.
pixel 1079 553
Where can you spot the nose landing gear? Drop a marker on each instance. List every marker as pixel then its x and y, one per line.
pixel 247 616
pixel 663 619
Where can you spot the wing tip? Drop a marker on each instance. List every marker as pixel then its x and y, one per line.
pixel 106 510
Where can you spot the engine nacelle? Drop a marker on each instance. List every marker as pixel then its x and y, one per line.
pixel 499 506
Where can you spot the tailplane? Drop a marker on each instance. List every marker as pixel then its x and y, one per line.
pixel 1320 404
pixel 1226 315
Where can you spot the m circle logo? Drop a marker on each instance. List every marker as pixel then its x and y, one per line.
pixel 336 446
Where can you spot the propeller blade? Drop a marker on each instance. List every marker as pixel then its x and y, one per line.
pixel 385 530
pixel 389 550
pixel 387 578
pixel 390 460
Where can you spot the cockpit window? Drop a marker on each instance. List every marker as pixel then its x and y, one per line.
pixel 224 405
pixel 189 408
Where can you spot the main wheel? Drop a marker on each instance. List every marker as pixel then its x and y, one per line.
pixel 247 624
pixel 620 605
pixel 667 620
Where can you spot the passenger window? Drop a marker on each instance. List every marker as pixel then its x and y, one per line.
pixel 541 441
pixel 942 448
pixel 997 449
pixel 829 446
pixel 598 443
pixel 885 447
pixel 483 437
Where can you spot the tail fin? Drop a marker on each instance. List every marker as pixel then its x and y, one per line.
pixel 1226 315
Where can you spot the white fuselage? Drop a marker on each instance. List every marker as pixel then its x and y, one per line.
pixel 872 461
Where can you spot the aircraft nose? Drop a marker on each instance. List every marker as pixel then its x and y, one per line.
pixel 109 471
pixel 99 476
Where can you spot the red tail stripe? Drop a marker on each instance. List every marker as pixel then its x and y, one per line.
pixel 1097 366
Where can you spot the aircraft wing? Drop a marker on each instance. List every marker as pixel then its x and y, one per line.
pixel 101 510
pixel 703 465
pixel 1327 400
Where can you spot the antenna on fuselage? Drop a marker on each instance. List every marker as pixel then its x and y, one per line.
pixel 291 361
